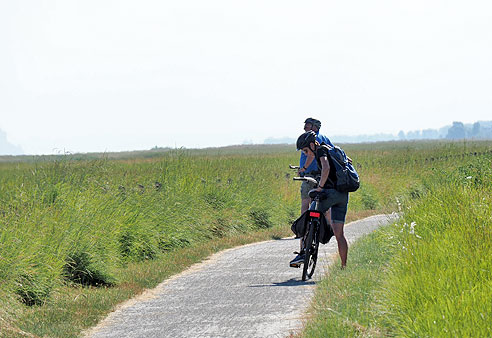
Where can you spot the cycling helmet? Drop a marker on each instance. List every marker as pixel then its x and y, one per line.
pixel 309 120
pixel 305 139
pixel 316 123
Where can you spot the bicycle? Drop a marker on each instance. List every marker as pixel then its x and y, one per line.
pixel 311 237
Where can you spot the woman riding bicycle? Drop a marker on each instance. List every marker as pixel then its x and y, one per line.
pixel 335 200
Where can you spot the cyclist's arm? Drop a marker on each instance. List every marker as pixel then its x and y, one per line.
pixel 302 164
pixel 325 171
pixel 309 160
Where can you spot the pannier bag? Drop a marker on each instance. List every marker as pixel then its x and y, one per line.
pixel 299 227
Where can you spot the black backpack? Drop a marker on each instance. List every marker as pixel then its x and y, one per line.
pixel 347 177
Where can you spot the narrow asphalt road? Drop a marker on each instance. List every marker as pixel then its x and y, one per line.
pixel 248 291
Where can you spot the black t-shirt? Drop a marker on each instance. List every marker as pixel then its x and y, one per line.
pixel 322 151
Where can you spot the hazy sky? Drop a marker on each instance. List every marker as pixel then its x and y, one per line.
pixel 120 75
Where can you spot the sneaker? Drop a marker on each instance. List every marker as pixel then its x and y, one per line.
pixel 296 262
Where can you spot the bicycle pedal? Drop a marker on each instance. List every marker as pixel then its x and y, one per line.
pixel 295 265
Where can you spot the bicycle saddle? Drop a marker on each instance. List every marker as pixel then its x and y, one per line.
pixel 322 195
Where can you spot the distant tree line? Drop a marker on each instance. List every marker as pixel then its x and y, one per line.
pixel 459 130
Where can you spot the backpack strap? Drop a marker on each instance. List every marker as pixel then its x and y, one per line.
pixel 329 150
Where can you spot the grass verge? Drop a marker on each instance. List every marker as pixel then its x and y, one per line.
pixel 344 302
pixel 430 275
pixel 75 308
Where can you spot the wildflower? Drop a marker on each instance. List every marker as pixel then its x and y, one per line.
pixel 399 204
pixel 412 227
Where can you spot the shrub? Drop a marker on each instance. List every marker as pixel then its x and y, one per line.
pixel 416 191
pixel 220 227
pixel 138 243
pixel 369 197
pixel 260 218
pixel 81 267
pixel 33 288
pixel 175 241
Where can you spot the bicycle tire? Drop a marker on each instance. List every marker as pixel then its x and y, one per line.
pixel 308 242
pixel 314 254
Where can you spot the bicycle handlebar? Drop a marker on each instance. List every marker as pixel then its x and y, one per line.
pixel 303 178
pixel 307 179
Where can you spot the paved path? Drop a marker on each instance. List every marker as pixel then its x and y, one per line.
pixel 248 291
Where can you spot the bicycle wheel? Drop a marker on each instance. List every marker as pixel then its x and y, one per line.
pixel 309 250
pixel 314 255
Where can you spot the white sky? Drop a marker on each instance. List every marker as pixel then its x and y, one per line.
pixel 120 75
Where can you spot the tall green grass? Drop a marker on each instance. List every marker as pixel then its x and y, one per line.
pixel 441 279
pixel 430 274
pixel 78 221
pixel 345 301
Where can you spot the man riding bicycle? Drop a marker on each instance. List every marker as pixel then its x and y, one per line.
pixel 335 200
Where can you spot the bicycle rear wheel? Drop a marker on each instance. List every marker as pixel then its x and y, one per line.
pixel 311 252
pixel 314 255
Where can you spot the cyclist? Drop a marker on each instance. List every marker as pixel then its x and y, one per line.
pixel 308 167
pixel 335 200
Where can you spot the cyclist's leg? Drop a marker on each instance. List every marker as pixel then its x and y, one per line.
pixel 341 241
pixel 328 216
pixel 336 217
pixel 338 213
pixel 339 235
pixel 305 199
pixel 305 204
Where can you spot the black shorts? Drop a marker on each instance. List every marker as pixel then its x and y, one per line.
pixel 338 202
